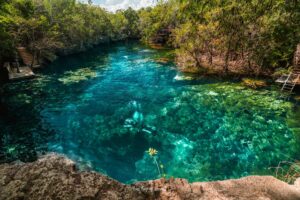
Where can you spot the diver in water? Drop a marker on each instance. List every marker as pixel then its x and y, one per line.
pixel 137 120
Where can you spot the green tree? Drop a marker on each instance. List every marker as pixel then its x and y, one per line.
pixel 132 28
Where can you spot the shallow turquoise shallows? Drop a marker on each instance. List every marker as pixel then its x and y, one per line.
pixel 105 108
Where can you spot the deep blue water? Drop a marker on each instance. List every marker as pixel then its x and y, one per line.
pixel 106 107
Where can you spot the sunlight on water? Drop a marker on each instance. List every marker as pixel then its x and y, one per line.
pixel 105 108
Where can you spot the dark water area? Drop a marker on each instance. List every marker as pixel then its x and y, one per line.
pixel 106 107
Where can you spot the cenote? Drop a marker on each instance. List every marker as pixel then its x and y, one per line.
pixel 106 107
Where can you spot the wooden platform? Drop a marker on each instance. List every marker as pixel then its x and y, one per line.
pixel 283 78
pixel 25 72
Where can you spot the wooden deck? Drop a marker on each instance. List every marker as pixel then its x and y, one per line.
pixel 283 78
pixel 25 72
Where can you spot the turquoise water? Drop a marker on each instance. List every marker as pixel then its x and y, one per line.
pixel 105 108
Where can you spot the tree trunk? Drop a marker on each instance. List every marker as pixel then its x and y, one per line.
pixel 226 61
pixel 210 59
pixel 33 58
pixel 17 62
pixel 249 66
pixel 195 56
pixel 81 45
pixel 198 58
pixel 198 63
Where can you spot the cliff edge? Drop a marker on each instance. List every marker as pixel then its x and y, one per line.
pixel 55 177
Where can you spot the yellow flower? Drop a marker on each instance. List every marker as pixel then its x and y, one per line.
pixel 152 152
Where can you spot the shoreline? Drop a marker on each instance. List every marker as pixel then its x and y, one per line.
pixel 54 176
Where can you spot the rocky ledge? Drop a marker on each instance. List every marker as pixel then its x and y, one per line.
pixel 55 177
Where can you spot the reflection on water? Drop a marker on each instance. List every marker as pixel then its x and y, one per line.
pixel 105 108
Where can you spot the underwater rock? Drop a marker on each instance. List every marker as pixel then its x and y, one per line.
pixel 56 177
pixel 82 74
pixel 162 60
pixel 164 112
pixel 180 77
pixel 254 83
pixel 212 93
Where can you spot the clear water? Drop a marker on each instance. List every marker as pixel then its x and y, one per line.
pixel 105 108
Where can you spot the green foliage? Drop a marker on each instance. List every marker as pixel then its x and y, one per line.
pixel 119 24
pixel 132 29
pixel 81 74
pixel 152 20
pixel 5 44
pixel 5 38
pixel 52 26
pixel 260 34
pixel 288 171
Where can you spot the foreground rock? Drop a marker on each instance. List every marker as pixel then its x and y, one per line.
pixel 55 177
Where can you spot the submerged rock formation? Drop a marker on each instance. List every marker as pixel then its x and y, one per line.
pixel 56 177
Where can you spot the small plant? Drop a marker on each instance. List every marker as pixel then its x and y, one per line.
pixel 282 71
pixel 152 152
pixel 160 167
pixel 288 171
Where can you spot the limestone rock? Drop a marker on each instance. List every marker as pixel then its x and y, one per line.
pixel 55 177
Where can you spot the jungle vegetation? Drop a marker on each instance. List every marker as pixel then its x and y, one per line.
pixel 256 37
pixel 48 27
